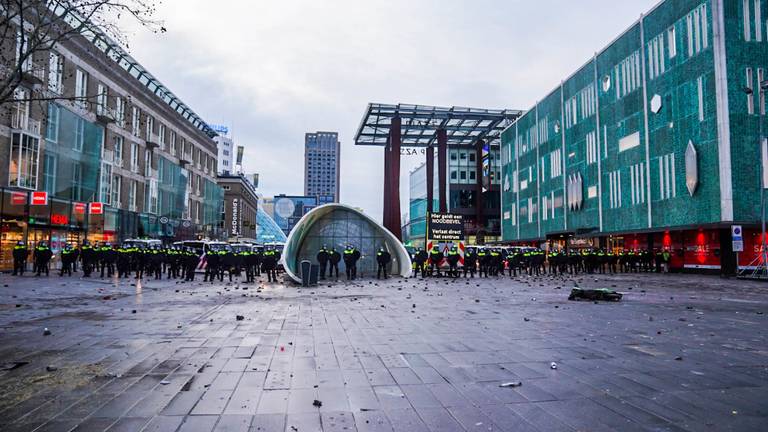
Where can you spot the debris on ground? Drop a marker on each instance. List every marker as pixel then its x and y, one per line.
pixel 51 368
pixel 317 403
pixel 46 332
pixel 595 294
pixel 553 365
pixel 511 384
pixel 165 382
pixel 239 317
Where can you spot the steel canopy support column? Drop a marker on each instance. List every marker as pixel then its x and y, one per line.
pixel 442 150
pixel 479 203
pixel 392 180
pixel 430 179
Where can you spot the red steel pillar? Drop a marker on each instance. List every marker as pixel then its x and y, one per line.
pixel 430 179
pixel 391 217
pixel 442 149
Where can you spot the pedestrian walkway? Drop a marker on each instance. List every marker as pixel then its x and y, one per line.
pixel 677 353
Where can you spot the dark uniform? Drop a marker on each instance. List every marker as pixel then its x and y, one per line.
pixel 420 262
pixel 333 259
pixel 435 259
pixel 87 256
pixel 322 260
pixel 453 262
pixel 269 264
pixel 482 259
pixel 42 256
pixel 351 255
pixel 470 262
pixel 67 259
pixel 382 260
pixel 19 258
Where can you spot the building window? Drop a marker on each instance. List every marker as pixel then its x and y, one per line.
pixel 671 42
pixel 120 111
pixel 134 157
pixel 751 93
pixel 52 123
pixel 698 30
pixel 105 183
pixel 700 90
pixel 747 20
pixel 667 187
pixel 55 72
pixel 77 182
pixel 50 167
pixel 555 161
pixel 161 136
pixel 173 142
pixel 132 190
pixel 118 155
pixel 758 21
pixel 637 180
pixel 149 130
pixel 761 100
pixel 135 121
pixel 79 135
pixel 147 163
pixel 614 187
pixel 101 99
pixel 81 89
pixel 591 147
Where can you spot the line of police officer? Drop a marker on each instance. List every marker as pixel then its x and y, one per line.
pixel 494 261
pixel 173 261
pixel 329 258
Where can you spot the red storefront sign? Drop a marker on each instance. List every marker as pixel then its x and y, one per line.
pixel 18 198
pixel 753 248
pixel 39 198
pixel 79 208
pixel 97 208
pixel 59 219
pixel 702 249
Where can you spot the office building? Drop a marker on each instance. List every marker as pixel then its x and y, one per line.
pixel 653 143
pixel 226 150
pixel 240 207
pixel 113 154
pixel 466 168
pixel 321 166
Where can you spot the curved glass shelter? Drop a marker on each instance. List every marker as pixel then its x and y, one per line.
pixel 337 225
pixel 267 230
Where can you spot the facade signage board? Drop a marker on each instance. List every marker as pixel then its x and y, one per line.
pixel 445 227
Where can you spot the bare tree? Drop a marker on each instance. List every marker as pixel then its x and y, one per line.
pixel 29 29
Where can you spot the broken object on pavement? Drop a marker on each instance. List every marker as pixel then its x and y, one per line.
pixel 594 294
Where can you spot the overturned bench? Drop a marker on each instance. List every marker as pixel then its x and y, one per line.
pixel 594 294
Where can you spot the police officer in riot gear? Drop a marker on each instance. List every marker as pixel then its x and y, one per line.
pixel 333 259
pixel 351 255
pixel 19 258
pixel 382 260
pixel 322 260
pixel 42 256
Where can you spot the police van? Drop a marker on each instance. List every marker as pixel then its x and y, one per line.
pixel 142 243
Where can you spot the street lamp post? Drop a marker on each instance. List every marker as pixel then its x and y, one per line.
pixel 761 268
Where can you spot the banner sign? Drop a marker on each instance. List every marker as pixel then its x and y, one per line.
pixel 97 208
pixel 445 227
pixel 39 198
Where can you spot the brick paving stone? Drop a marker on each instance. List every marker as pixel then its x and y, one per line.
pixel 387 369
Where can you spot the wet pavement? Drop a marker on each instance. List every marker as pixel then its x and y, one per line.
pixel 678 353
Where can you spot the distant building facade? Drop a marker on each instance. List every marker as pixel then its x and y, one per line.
pixel 286 210
pixel 653 143
pixel 226 150
pixel 321 166
pixel 240 207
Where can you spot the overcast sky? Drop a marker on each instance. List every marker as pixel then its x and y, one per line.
pixel 275 70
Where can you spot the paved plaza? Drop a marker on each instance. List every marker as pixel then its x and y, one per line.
pixel 678 353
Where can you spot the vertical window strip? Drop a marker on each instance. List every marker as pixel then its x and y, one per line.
pixel 750 95
pixel 689 23
pixel 700 87
pixel 672 174
pixel 696 31
pixel 661 177
pixel 641 185
pixel 761 100
pixel 618 183
pixel 668 183
pixel 672 42
pixel 758 21
pixel 660 53
pixel 704 27
pixel 747 21
pixel 632 183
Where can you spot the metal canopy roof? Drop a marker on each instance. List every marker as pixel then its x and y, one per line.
pixel 419 124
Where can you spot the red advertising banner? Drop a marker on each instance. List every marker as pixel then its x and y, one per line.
pixel 79 208
pixel 97 208
pixel 39 198
pixel 18 198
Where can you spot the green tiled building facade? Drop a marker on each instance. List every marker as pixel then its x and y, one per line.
pixel 653 143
